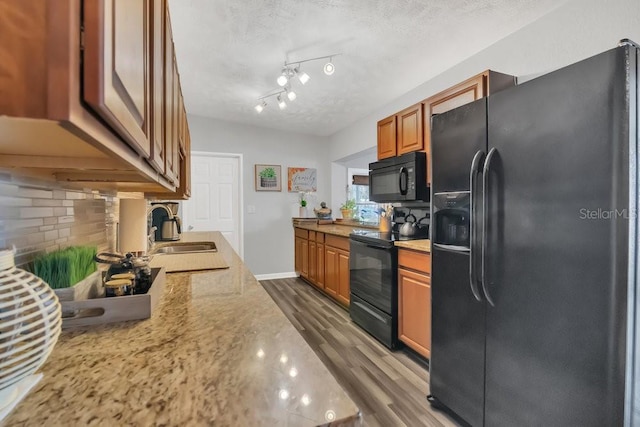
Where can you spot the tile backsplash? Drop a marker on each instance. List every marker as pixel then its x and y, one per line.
pixel 41 216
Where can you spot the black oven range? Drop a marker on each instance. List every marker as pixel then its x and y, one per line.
pixel 373 265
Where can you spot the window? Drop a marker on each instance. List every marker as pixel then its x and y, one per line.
pixel 366 211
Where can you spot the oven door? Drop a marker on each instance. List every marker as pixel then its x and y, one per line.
pixel 373 270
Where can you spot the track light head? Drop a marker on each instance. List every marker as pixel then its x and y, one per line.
pixel 281 102
pixel 290 94
pixel 329 68
pixel 260 107
pixel 302 76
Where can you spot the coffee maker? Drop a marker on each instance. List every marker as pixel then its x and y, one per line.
pixel 167 223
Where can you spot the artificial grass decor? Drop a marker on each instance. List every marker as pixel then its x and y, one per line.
pixel 66 267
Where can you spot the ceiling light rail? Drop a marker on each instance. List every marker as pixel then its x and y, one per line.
pixel 284 80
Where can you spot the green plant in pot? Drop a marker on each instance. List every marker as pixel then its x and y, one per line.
pixel 268 177
pixel 70 272
pixel 348 209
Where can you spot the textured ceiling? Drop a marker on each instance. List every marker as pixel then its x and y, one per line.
pixel 230 52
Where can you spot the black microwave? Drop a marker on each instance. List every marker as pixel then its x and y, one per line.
pixel 399 179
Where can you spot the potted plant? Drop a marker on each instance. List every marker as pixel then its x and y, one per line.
pixel 268 177
pixel 348 209
pixel 303 204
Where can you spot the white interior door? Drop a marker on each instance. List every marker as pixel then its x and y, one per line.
pixel 216 196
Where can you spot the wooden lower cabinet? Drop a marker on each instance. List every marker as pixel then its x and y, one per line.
pixel 304 268
pixel 331 271
pixel 298 254
pixel 343 277
pixel 313 261
pixel 324 263
pixel 414 301
pixel 321 267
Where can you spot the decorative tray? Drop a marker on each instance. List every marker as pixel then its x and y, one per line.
pixel 115 309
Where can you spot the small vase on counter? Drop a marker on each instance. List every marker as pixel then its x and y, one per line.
pixel 302 212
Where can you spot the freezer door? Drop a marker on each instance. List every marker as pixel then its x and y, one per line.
pixel 556 264
pixel 456 136
pixel 457 337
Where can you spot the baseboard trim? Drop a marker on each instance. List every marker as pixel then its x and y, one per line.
pixel 274 276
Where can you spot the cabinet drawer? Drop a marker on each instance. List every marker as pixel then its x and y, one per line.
pixel 312 236
pixel 419 261
pixel 302 233
pixel 337 242
pixel 319 237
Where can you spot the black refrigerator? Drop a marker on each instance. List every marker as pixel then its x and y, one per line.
pixel 534 310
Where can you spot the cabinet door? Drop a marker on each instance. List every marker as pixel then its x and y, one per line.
pixel 387 138
pixel 116 58
pixel 156 68
pixel 298 255
pixel 313 262
pixel 343 278
pixel 414 310
pixel 463 93
pixel 305 259
pixel 331 271
pixel 320 266
pixel 170 118
pixel 410 135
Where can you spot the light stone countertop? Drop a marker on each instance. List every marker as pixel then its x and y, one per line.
pixel 334 229
pixel 217 351
pixel 422 245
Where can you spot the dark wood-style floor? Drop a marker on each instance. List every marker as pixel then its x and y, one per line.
pixel 390 388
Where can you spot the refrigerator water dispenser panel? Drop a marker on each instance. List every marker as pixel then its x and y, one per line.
pixel 451 219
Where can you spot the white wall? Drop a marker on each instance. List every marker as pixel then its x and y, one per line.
pixel 268 234
pixel 574 31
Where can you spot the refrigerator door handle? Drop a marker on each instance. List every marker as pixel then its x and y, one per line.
pixel 485 223
pixel 473 175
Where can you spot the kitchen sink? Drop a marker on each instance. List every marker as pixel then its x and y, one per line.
pixel 184 247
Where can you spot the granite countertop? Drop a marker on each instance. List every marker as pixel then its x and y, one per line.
pixel 422 245
pixel 335 229
pixel 217 351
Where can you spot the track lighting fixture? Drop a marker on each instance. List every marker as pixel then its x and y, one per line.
pixel 260 107
pixel 285 79
pixel 329 68
pixel 302 76
pixel 290 94
pixel 281 102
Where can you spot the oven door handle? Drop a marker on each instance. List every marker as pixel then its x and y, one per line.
pixel 371 312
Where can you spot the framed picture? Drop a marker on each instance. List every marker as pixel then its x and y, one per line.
pixel 301 179
pixel 268 178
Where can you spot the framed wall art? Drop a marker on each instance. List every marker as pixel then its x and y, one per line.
pixel 268 178
pixel 301 179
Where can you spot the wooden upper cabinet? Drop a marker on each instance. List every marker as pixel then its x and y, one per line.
pixel 170 117
pixel 410 136
pixel 387 138
pixel 116 59
pixel 157 14
pixel 463 93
